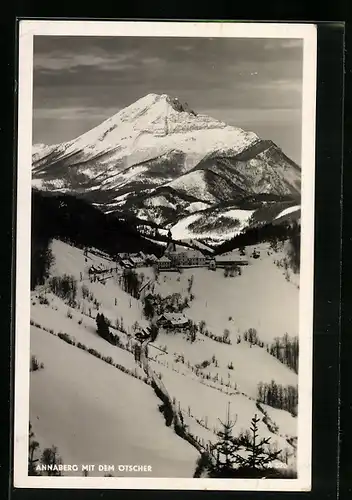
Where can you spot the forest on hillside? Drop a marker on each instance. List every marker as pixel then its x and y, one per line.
pixel 79 223
pixel 270 233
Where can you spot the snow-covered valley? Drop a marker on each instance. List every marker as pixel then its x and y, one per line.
pixel 104 409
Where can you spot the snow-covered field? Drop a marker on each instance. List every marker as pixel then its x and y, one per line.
pixel 214 228
pixel 263 366
pixel 288 211
pixel 194 184
pixel 260 298
pixel 196 206
pixel 209 405
pixel 94 413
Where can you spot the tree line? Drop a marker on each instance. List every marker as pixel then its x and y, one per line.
pixel 279 396
pixel 64 287
pixel 271 233
pixel 286 350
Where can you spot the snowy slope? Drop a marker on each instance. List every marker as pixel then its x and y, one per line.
pixel 41 150
pixel 38 147
pixel 264 366
pixel 95 405
pixel 197 206
pixel 193 184
pixel 214 227
pixel 196 396
pixel 108 395
pixel 288 211
pixel 252 300
pixel 70 260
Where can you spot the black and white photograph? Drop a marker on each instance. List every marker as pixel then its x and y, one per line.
pixel 164 294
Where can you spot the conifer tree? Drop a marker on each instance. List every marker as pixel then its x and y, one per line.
pixel 154 331
pixel 149 307
pixel 50 456
pixel 192 332
pixel 131 282
pixel 103 327
pixel 33 445
pixel 226 334
pixel 224 452
pixel 260 456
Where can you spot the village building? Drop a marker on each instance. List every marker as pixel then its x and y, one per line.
pixel 173 321
pixel 164 263
pixel 137 261
pixel 212 264
pixel 97 270
pixel 195 258
pixel 151 259
pixel 227 260
pixel 122 256
pixel 185 257
pixel 142 335
pixel 126 263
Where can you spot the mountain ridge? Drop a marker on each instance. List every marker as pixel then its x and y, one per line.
pixel 159 142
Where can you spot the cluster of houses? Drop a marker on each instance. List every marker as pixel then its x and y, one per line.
pixel 168 321
pixel 135 260
pixel 177 256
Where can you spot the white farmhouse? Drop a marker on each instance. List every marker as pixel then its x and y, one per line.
pixel 173 320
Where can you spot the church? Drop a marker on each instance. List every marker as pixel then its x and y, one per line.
pixel 185 257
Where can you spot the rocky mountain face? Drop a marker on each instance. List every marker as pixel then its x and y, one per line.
pixel 159 161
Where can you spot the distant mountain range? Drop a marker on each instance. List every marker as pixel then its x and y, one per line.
pixel 76 221
pixel 159 162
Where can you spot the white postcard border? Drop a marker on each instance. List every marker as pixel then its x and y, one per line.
pixel 27 30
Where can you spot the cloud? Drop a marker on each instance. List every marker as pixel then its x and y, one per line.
pixel 184 48
pixel 61 61
pixel 283 84
pixel 74 113
pixel 80 81
pixel 154 61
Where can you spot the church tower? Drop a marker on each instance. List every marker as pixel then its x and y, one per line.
pixel 171 247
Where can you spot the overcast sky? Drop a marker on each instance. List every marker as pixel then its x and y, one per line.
pixel 255 84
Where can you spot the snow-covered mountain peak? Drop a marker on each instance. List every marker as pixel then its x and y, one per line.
pixel 38 146
pixel 151 126
pixel 159 141
pixel 150 114
pixel 163 99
